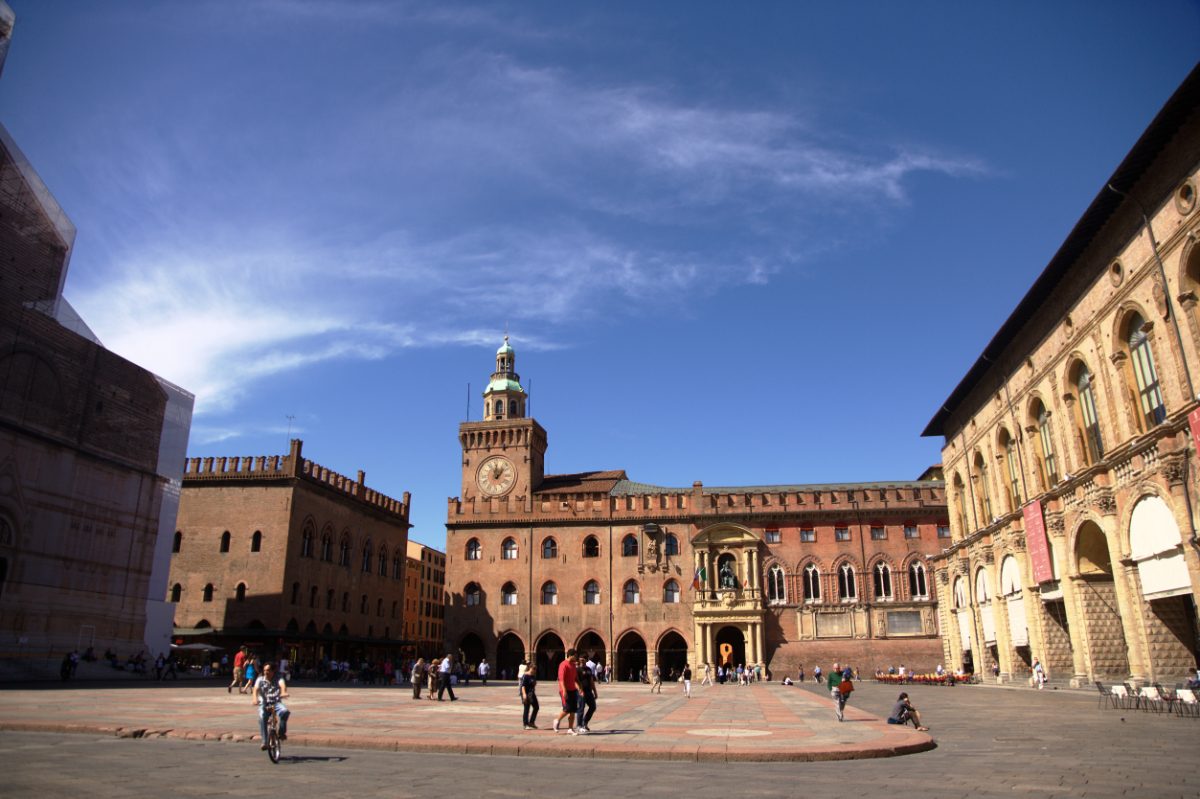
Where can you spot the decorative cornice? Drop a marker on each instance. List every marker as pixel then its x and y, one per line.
pixel 1105 502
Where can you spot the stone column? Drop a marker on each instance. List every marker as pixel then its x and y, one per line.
pixel 1078 631
pixel 1133 624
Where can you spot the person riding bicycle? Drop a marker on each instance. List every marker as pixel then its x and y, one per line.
pixel 268 691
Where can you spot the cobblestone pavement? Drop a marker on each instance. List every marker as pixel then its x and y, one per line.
pixel 991 742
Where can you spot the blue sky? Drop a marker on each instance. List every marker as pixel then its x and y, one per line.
pixel 741 243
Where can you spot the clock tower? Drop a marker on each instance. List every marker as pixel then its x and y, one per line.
pixel 504 455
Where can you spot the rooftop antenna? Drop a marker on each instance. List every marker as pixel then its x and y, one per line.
pixel 290 417
pixel 468 416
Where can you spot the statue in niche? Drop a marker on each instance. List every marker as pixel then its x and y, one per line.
pixel 652 551
pixel 728 578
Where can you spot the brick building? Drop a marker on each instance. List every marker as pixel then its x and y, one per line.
pixel 1079 421
pixel 425 600
pixel 284 554
pixel 788 574
pixel 90 447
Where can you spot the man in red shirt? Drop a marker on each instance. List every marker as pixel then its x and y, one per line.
pixel 568 692
pixel 239 671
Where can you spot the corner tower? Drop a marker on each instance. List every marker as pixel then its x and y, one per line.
pixel 504 455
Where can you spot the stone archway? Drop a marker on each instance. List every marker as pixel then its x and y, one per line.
pixel 550 653
pixel 510 654
pixel 470 649
pixel 631 657
pixel 672 654
pixel 591 646
pixel 1097 593
pixel 736 652
pixel 1169 609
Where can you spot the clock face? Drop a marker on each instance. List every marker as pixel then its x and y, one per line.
pixel 496 476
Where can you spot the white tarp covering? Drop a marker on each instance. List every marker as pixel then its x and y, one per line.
pixel 964 629
pixel 1155 544
pixel 1018 627
pixel 989 623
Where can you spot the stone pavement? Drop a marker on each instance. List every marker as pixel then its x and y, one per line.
pixel 762 722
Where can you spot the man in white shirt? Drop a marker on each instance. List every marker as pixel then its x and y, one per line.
pixel 484 671
pixel 270 691
pixel 444 679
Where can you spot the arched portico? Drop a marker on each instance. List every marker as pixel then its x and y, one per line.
pixel 728 558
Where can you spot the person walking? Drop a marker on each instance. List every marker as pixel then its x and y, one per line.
pixel 707 675
pixel 687 681
pixel 656 682
pixel 1039 674
pixel 484 671
pixel 444 679
pixel 239 670
pixel 418 677
pixel 833 681
pixel 529 701
pixel 585 678
pixel 568 692
pixel 844 689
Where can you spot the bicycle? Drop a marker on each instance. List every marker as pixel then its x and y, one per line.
pixel 273 743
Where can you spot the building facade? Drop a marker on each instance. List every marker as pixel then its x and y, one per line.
pixel 1070 445
pixel 90 452
pixel 643 575
pixel 287 556
pixel 425 600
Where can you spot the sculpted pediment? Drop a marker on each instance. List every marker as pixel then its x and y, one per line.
pixel 725 535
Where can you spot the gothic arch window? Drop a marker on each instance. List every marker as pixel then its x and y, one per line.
pixel 671 545
pixel 474 550
pixel 345 602
pixel 776 592
pixel 812 583
pixel 362 605
pixel 591 547
pixel 847 590
pixel 330 597
pixel 508 594
pixel 379 607
pixel 508 550
pixel 549 593
pixel 306 543
pixel 327 548
pixel 883 582
pixel 671 592
pixel 632 594
pixel 383 561
pixel 472 594
pixel 256 541
pixel 175 546
pixel 366 558
pixel 1086 415
pixel 225 541
pixel 918 586
pixel 312 597
pixel 208 592
pixel 591 593
pixel 239 593
pixel 1145 375
pixel 397 566
pixel 344 552
pixel 295 593
pixel 549 548
pixel 176 592
pixel 629 546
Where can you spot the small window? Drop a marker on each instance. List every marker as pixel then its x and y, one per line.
pixel 878 533
pixel 549 549
pixel 240 592
pixel 397 567
pixel 379 608
pixel 917 586
pixel 629 546
pixel 176 592
pixel 306 543
pixel 329 599
pixel 208 592
pixel 847 590
pixel 841 534
pixel 671 546
pixel 383 561
pixel 178 541
pixel 366 558
pixel 943 531
pixel 295 593
pixel 591 593
pixel 550 594
pixel 362 605
pixel 225 541
pixel 776 592
pixel 344 553
pixel 256 541
pixel 472 594
pixel 345 602
pixel 911 531
pixel 473 549
pixel 508 550
pixel 327 548
pixel 591 547
pixel 773 537
pixel 808 535
pixel 508 594
pixel 633 594
pixel 671 592
pixel 312 597
pixel 883 582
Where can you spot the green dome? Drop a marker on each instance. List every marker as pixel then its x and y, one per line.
pixel 503 384
pixel 505 348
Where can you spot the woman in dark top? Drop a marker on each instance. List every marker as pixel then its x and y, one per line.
pixel 529 700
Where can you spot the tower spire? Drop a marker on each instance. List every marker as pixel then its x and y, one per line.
pixel 504 397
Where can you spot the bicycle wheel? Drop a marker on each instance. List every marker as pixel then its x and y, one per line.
pixel 274 746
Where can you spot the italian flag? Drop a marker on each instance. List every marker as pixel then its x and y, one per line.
pixel 700 578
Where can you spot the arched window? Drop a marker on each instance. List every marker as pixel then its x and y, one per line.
pixel 549 548
pixel 383 561
pixel 508 594
pixel 344 552
pixel 549 593
pixel 208 592
pixel 847 590
pixel 984 493
pixel 671 592
pixel 366 558
pixel 1047 463
pixel 295 593
pixel 312 597
pixel 362 605
pixel 225 541
pixel 633 594
pixel 812 583
pixel 629 546
pixel 776 593
pixel 591 547
pixel 591 593
pixel 473 549
pixel 508 550
pixel 671 545
pixel 397 567
pixel 1089 420
pixel 982 594
pixel 176 592
pixel 883 582
pixel 329 599
pixel 256 541
pixel 178 541
pixel 306 543
pixel 1013 486
pixel 345 602
pixel 499 407
pixel 472 594
pixel 960 494
pixel 918 588
pixel 327 548
pixel 512 407
pixel 240 592
pixel 1141 360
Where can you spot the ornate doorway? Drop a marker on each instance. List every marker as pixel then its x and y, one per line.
pixel 731 647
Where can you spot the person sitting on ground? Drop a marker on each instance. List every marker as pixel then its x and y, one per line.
pixel 903 712
pixel 786 681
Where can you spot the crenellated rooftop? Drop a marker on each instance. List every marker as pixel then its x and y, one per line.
pixel 287 467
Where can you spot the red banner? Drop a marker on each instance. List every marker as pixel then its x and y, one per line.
pixel 1194 423
pixel 1035 542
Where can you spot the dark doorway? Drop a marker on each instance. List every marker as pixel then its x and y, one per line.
pixel 550 652
pixel 733 654
pixel 631 657
pixel 470 650
pixel 672 654
pixel 510 654
pixel 591 646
